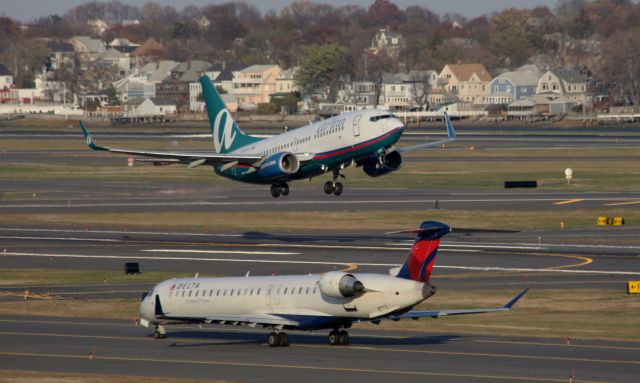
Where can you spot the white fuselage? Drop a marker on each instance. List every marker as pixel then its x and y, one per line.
pixel 290 296
pixel 344 131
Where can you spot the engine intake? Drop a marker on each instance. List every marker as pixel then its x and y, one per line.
pixel 340 285
pixel 377 166
pixel 278 165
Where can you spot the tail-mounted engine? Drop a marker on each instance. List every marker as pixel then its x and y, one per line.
pixel 382 164
pixel 278 165
pixel 340 285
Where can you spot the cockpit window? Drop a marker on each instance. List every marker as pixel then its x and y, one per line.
pixel 382 117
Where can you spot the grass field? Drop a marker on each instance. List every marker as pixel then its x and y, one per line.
pixel 17 376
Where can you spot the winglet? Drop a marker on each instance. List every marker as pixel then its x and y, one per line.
pixel 89 139
pixel 451 133
pixel 515 300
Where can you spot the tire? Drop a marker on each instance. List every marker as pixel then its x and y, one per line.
pixel 343 338
pixel 275 191
pixel 157 335
pixel 328 187
pixel 283 339
pixel 334 338
pixel 337 188
pixel 273 340
pixel 284 189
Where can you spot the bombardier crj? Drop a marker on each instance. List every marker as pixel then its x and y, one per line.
pixel 363 138
pixel 333 300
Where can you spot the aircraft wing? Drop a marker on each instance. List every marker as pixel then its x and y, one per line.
pixel 439 313
pixel 451 136
pixel 193 159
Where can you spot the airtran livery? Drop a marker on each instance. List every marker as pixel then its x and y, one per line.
pixel 363 138
pixel 333 300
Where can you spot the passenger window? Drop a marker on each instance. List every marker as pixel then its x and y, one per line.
pixel 211 292
pixel 285 291
pixel 307 291
pixel 258 293
pixel 224 293
pixel 217 293
pixel 231 293
pixel 197 292
pixel 190 291
pixel 251 293
pixel 314 289
pixel 300 290
pixel 183 293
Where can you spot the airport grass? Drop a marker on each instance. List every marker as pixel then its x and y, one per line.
pixel 370 222
pixel 574 313
pixel 21 376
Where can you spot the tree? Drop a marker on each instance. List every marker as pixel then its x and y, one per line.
pixel 320 68
pixel 621 67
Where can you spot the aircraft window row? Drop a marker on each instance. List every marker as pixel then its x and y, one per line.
pixel 382 117
pixel 329 131
pixel 218 292
pixel 279 148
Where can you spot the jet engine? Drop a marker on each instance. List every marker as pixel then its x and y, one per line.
pixel 340 285
pixel 278 165
pixel 382 164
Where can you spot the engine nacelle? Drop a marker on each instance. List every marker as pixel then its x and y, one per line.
pixel 278 165
pixel 377 166
pixel 340 285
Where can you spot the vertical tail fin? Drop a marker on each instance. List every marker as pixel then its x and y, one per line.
pixel 422 255
pixel 227 137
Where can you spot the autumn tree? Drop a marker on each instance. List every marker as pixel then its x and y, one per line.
pixel 621 67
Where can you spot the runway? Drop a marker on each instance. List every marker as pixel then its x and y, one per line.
pixel 240 354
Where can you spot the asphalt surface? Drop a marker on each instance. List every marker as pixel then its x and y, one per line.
pixel 241 354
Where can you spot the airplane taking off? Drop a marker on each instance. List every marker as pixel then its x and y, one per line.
pixel 333 300
pixel 363 138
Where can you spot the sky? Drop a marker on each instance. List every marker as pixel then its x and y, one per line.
pixel 25 10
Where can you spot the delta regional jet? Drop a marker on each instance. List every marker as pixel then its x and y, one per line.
pixel 364 138
pixel 333 300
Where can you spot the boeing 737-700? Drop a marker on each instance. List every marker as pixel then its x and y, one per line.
pixel 363 138
pixel 333 300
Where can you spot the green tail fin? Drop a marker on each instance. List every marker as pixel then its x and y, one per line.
pixel 227 137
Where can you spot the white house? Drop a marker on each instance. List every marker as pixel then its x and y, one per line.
pixel 149 107
pixel 564 81
pixel 6 77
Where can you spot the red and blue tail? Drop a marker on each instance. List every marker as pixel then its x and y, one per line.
pixel 422 256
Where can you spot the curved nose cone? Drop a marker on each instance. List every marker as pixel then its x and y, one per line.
pixel 146 310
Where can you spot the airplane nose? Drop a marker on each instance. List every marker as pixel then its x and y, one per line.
pixel 428 290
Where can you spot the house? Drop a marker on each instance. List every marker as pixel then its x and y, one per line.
pixel 149 107
pixel 222 76
pixel 468 83
pixel 254 85
pixel 6 77
pixel 513 86
pixel 387 41
pixel 87 48
pixel 118 59
pixel 147 52
pixel 404 91
pixel 564 81
pixel 356 94
pixel 98 26
pixel 285 82
pixel 61 55
pixel 142 83
pixel 176 85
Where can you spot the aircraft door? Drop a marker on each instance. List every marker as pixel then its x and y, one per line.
pixel 356 125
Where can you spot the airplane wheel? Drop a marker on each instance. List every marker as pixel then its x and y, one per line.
pixel 328 187
pixel 343 338
pixel 283 339
pixel 284 189
pixel 157 335
pixel 273 340
pixel 334 338
pixel 275 191
pixel 337 188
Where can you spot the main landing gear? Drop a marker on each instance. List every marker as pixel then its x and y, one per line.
pixel 278 339
pixel 161 332
pixel 333 186
pixel 339 338
pixel 278 189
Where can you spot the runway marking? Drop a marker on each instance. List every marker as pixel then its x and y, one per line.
pixel 326 263
pixel 622 203
pixel 289 366
pixel 219 252
pixel 31 295
pixel 569 201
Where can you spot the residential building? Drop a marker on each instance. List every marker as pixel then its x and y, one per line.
pixel 387 41
pixel 513 86
pixel 222 76
pixel 87 48
pixel 142 83
pixel 405 91
pixel 98 26
pixel 118 59
pixel 255 84
pixel 61 55
pixel 468 83
pixel 147 52
pixel 285 82
pixel 176 85
pixel 564 81
pixel 6 77
pixel 149 107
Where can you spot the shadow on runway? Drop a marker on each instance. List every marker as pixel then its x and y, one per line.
pixel 223 338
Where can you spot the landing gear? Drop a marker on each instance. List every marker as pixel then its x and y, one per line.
pixel 161 332
pixel 339 338
pixel 278 339
pixel 279 189
pixel 333 186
